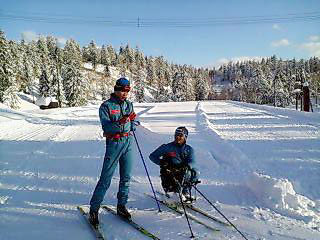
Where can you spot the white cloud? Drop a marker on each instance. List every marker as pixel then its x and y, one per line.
pixel 245 58
pixel 276 26
pixel 281 43
pixel 29 36
pixel 223 61
pixel 314 38
pixel 312 47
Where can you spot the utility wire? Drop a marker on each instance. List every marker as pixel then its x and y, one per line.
pixel 165 22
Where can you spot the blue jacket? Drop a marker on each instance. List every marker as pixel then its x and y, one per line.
pixel 111 111
pixel 175 155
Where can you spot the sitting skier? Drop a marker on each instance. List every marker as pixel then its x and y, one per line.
pixel 176 160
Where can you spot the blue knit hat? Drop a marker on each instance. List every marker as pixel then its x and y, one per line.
pixel 122 84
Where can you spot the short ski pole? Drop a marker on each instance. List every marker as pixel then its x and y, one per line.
pixel 180 192
pixel 219 212
pixel 145 167
pixel 185 213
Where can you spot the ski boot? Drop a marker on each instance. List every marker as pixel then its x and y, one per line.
pixel 123 212
pixel 93 218
pixel 187 199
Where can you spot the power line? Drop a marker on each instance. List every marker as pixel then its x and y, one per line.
pixel 165 22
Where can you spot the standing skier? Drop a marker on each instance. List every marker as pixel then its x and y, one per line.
pixel 116 117
pixel 177 164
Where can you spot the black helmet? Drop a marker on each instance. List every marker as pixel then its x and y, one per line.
pixel 183 131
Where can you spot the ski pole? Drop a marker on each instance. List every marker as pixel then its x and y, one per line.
pixel 219 212
pixel 185 213
pixel 180 192
pixel 145 167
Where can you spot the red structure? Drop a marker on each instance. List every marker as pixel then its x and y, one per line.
pixel 306 97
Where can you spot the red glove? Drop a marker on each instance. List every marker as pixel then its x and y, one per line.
pixel 124 119
pixel 127 118
pixel 132 116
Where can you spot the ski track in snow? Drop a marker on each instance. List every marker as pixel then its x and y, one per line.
pixel 50 162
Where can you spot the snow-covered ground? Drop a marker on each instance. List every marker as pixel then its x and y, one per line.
pixel 259 165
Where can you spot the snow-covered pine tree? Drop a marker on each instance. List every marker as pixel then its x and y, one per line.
pixel 75 84
pixel 93 54
pixel 202 87
pixel 259 84
pixel 288 85
pixel 139 79
pixel 36 61
pixel 18 53
pixel 112 55
pixel 85 54
pixel 315 85
pixel 179 86
pixel 122 64
pixel 247 85
pixel 105 83
pixel 8 85
pixel 57 88
pixel 46 76
pixel 139 58
pixel 44 84
pixel 129 55
pixel 52 45
pixel 28 84
pixel 190 76
pixel 162 93
pixel 139 75
pixel 278 86
pixel 150 71
pixel 104 58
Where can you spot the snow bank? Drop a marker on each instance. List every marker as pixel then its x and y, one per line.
pixel 8 115
pixel 279 196
pixel 26 101
pixel 223 151
pixel 3 106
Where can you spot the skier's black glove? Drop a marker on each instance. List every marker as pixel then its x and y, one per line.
pixel 164 163
pixel 194 176
pixel 193 173
pixel 134 125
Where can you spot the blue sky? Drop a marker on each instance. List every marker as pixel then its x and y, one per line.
pixel 204 45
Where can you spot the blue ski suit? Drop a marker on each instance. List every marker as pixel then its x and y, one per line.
pixel 175 156
pixel 118 149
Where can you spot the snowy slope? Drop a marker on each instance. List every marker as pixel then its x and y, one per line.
pixel 259 165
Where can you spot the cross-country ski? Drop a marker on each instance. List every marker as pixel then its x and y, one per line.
pixel 131 223
pixel 95 228
pixel 171 120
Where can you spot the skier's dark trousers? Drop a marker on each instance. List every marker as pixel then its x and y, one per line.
pixel 177 163
pixel 116 117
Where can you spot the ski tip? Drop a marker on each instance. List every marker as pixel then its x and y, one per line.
pixel 83 206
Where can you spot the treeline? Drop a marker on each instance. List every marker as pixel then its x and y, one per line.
pixel 270 80
pixel 47 69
